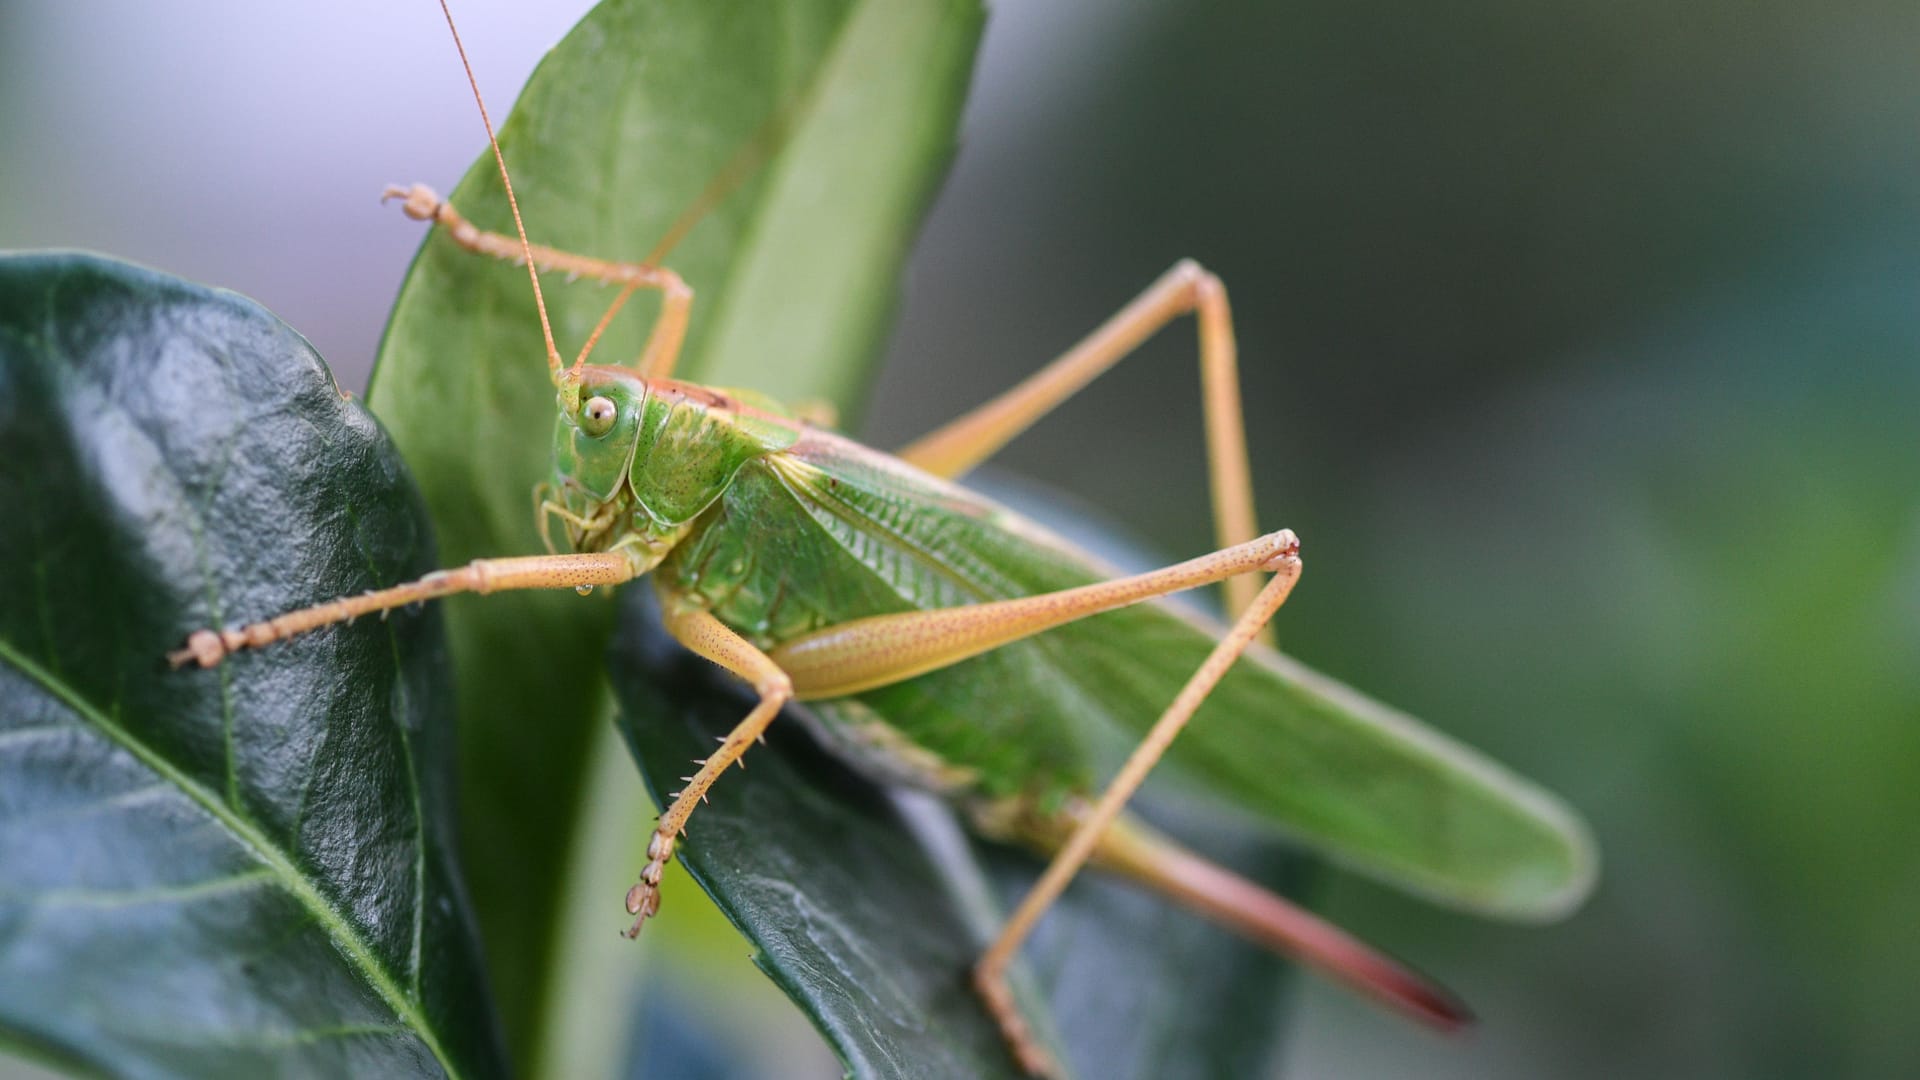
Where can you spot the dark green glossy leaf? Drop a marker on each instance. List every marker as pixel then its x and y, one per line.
pixel 615 135
pixel 869 908
pixel 238 871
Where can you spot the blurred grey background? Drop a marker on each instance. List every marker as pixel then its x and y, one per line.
pixel 1582 346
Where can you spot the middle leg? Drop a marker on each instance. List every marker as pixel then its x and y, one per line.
pixel 708 636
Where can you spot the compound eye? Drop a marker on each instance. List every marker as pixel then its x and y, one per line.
pixel 597 416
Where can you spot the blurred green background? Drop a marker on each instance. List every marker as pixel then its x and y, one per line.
pixel 1582 347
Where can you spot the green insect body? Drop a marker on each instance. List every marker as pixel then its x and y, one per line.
pixel 781 530
pixel 946 642
pixel 943 641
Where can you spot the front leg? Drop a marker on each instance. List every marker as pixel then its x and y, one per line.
pixel 662 351
pixel 701 632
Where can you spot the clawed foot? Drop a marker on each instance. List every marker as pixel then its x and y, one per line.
pixel 643 900
pixel 422 202
pixel 204 647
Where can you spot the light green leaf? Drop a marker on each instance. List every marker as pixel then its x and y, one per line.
pixel 616 134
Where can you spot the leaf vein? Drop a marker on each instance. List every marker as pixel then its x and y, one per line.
pixel 280 863
pixel 123 898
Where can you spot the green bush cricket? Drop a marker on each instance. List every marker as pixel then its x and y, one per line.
pixel 931 630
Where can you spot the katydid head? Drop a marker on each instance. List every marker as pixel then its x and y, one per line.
pixel 636 460
pixel 596 435
pixel 597 431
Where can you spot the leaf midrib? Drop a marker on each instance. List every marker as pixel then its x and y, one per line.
pixel 749 250
pixel 357 951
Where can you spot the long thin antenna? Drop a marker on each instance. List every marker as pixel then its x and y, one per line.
pixel 554 364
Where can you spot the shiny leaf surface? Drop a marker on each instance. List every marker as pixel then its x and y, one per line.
pixel 243 870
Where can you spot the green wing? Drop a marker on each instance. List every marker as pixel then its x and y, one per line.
pixel 1370 787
